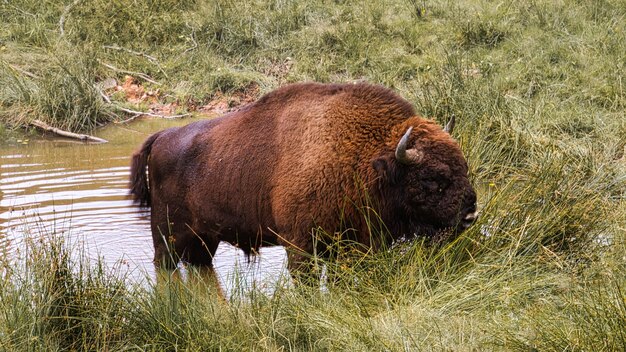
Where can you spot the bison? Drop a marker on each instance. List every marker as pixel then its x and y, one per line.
pixel 305 156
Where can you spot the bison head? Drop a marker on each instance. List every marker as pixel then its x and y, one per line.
pixel 423 182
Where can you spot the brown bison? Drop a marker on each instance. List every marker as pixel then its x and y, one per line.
pixel 303 157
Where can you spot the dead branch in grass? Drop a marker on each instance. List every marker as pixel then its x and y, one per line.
pixel 83 137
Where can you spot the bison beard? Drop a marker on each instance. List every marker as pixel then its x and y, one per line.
pixel 302 157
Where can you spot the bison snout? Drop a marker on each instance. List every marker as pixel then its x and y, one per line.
pixel 469 219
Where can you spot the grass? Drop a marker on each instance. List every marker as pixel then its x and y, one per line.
pixel 538 91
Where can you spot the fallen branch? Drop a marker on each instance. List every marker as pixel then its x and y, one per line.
pixel 138 53
pixel 104 96
pixel 143 76
pixel 24 72
pixel 140 113
pixel 127 120
pixel 116 47
pixel 66 11
pixel 83 137
pixel 193 39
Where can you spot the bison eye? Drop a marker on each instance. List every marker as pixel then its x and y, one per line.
pixel 435 185
pixel 431 185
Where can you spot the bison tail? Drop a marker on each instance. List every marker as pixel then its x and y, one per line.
pixel 139 188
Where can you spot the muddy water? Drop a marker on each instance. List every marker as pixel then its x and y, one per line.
pixel 59 186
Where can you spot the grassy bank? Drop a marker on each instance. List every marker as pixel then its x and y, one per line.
pixel 505 293
pixel 564 59
pixel 538 90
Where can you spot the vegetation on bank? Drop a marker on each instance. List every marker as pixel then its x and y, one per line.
pixel 538 91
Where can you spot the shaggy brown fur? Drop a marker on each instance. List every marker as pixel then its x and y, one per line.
pixel 301 157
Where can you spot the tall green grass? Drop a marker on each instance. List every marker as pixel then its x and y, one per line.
pixel 471 294
pixel 537 89
pixel 55 299
pixel 563 57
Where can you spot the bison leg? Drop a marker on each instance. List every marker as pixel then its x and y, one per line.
pixel 302 268
pixel 200 250
pixel 174 239
pixel 181 242
pixel 164 239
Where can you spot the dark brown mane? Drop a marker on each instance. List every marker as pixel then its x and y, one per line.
pixel 370 94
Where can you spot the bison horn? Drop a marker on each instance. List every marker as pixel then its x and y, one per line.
pixel 402 155
pixel 450 125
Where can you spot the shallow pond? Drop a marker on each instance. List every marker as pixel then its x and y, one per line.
pixel 61 186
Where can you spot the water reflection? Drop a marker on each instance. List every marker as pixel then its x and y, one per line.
pixel 80 191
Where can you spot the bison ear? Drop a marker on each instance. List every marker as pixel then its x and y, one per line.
pixel 386 169
pixel 380 165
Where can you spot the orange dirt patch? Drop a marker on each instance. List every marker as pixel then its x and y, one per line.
pixel 135 92
pixel 221 103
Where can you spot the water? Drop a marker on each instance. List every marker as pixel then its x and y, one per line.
pixel 60 186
